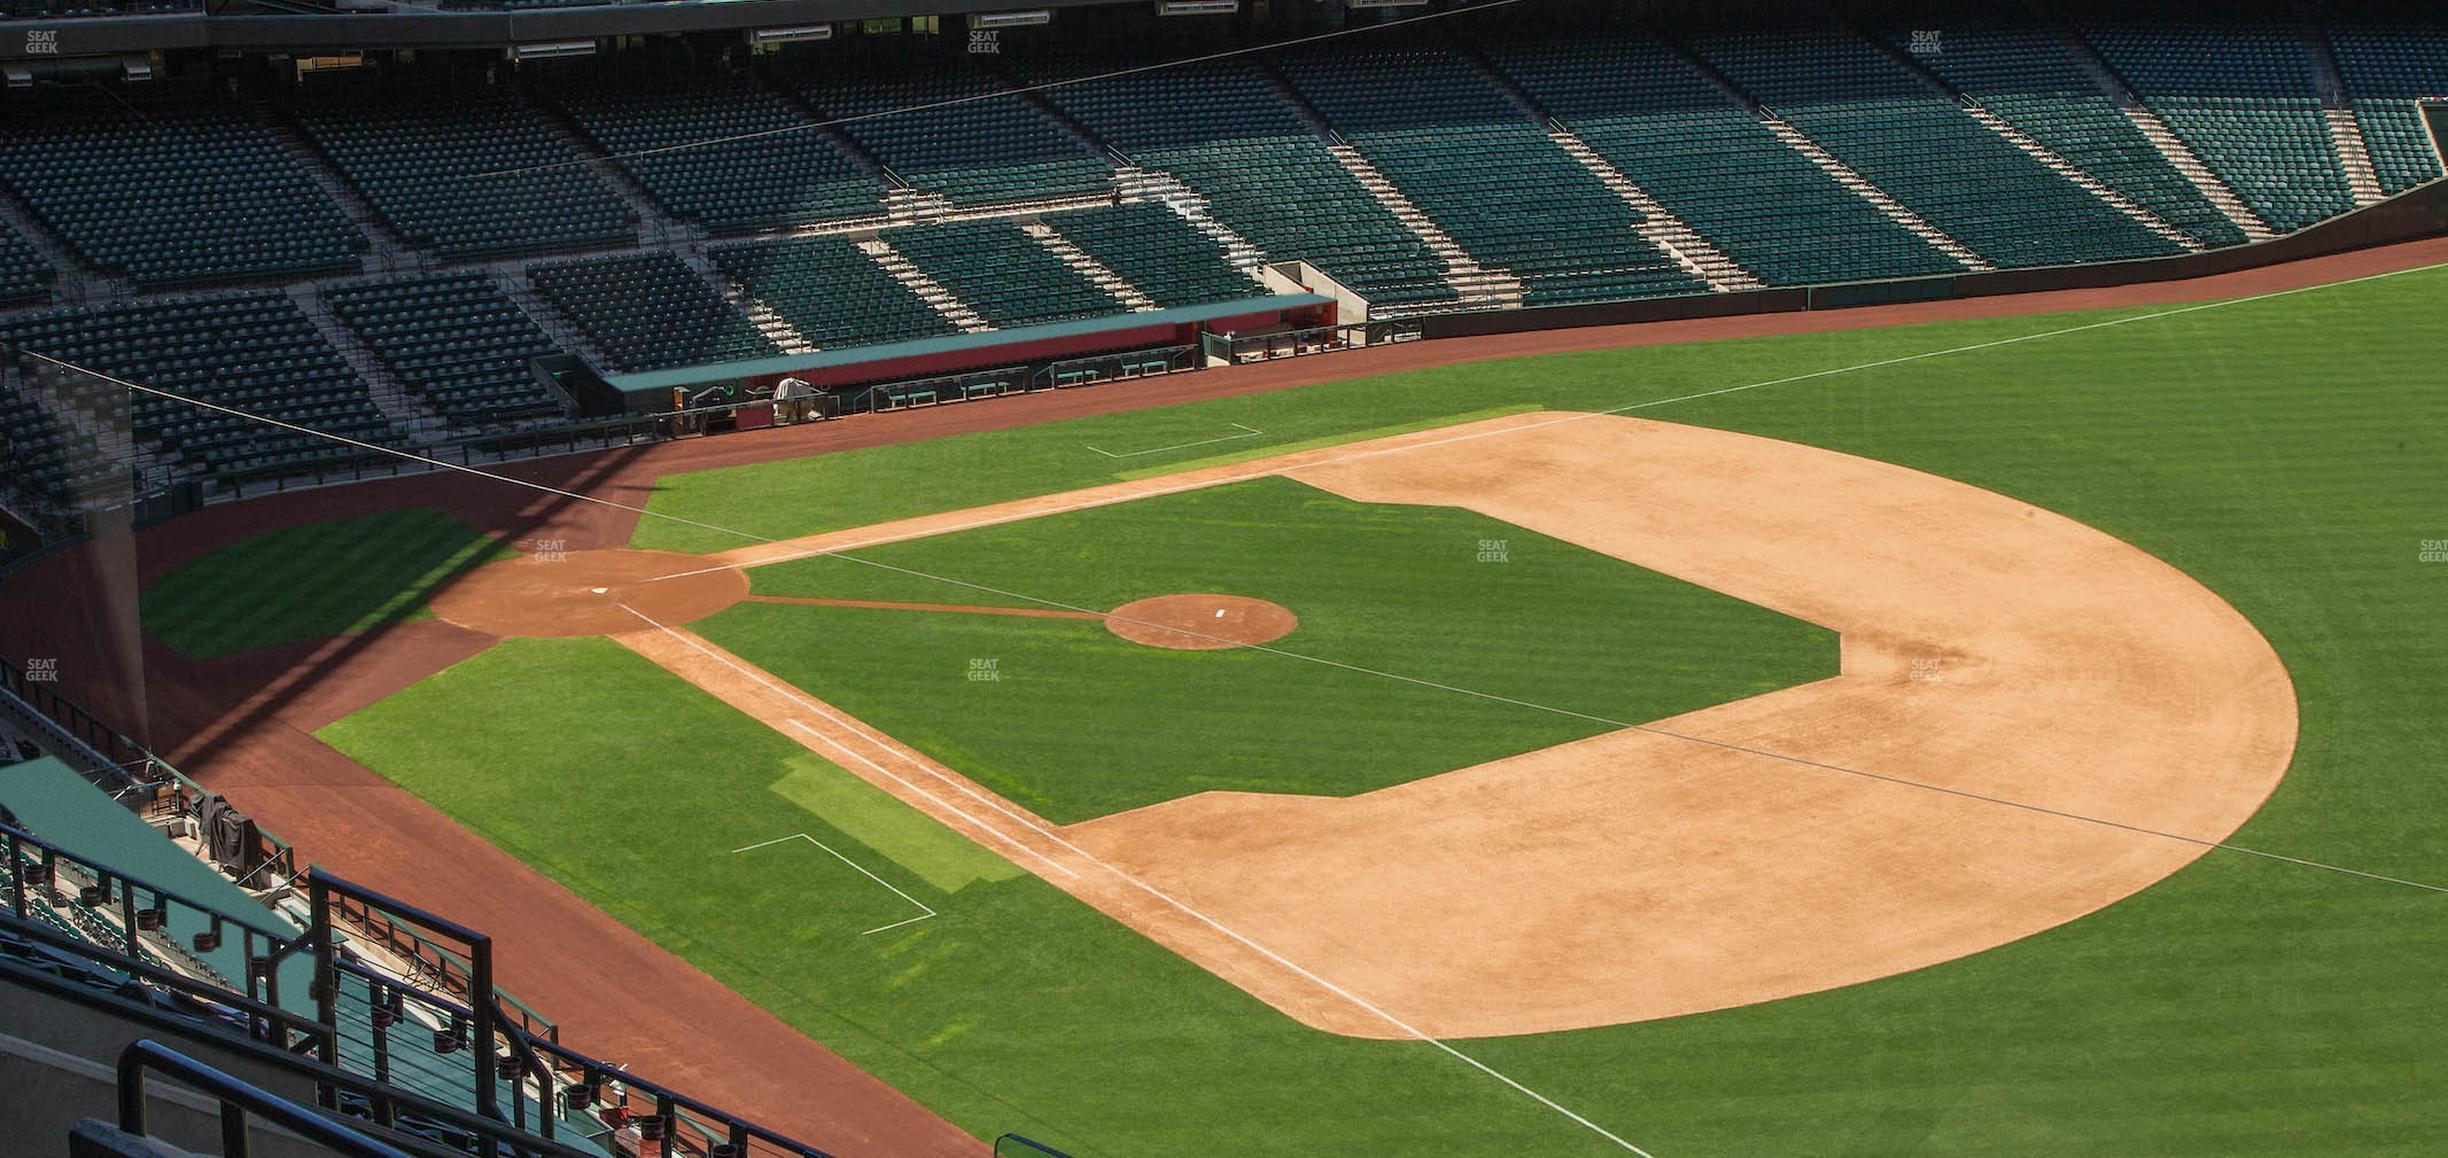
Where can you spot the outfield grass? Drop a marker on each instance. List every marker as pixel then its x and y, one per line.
pixel 2282 451
pixel 1077 723
pixel 312 582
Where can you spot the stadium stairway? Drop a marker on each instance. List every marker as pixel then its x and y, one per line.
pixel 1479 285
pixel 390 395
pixel 776 328
pixel 1097 273
pixel 656 225
pixel 1843 174
pixel 385 252
pixel 2156 131
pixel 2030 146
pixel 1670 234
pixel 934 293
pixel 2338 109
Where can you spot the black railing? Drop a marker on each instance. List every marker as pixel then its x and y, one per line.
pixel 547 1083
pixel 239 1100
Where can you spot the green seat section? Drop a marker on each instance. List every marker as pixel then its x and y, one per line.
pixel 1486 173
pixel 2388 68
pixel 174 193
pixel 830 291
pixel 2243 98
pixel 649 311
pixel 422 160
pixel 2031 79
pixel 24 275
pixel 1708 160
pixel 788 177
pixel 1901 135
pixel 1007 276
pixel 1219 128
pixel 993 146
pixel 2402 154
pixel 457 341
pixel 253 352
pixel 1159 253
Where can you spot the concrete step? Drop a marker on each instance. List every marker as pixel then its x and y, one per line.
pixel 1151 185
pixel 2188 163
pixel 402 406
pixel 1658 224
pixel 566 334
pixel 898 264
pixel 1499 286
pixel 2355 154
pixel 656 226
pixel 776 328
pixel 1120 289
pixel 2075 173
pixel 387 251
pixel 2163 138
pixel 1861 186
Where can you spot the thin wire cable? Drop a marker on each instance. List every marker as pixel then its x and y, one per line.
pixel 998 94
pixel 1357 669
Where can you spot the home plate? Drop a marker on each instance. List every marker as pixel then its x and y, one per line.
pixel 607 590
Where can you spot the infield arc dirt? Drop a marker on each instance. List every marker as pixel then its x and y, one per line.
pixel 2033 720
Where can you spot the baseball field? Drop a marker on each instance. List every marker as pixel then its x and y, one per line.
pixel 2010 736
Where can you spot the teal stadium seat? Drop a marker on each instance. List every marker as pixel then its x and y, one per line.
pixel 2387 70
pixel 830 291
pixel 978 152
pixel 418 159
pixel 792 177
pixel 2243 98
pixel 650 311
pixel 1903 136
pixel 457 341
pixel 1222 131
pixel 1486 173
pixel 1159 253
pixel 2031 79
pixel 1007 276
pixel 1708 160
pixel 174 194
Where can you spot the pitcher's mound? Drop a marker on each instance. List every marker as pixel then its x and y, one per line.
pixel 588 593
pixel 1201 622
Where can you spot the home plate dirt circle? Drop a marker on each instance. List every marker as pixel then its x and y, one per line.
pixel 588 593
pixel 1201 622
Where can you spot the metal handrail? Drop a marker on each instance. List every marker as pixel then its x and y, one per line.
pixel 238 1100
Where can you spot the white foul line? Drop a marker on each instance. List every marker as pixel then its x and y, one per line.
pixel 923 911
pixel 1168 899
pixel 1251 432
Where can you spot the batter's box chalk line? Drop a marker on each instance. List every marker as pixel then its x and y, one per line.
pixel 923 911
pixel 1246 432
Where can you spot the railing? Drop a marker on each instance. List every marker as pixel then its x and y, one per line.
pixel 959 387
pixel 140 921
pixel 238 1101
pixel 1116 367
pixel 1238 348
pixel 545 1080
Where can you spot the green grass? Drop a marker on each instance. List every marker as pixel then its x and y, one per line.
pixel 312 581
pixel 1078 723
pixel 2285 452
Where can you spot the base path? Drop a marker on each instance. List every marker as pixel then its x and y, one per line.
pixel 2019 695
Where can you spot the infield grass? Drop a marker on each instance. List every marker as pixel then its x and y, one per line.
pixel 1067 719
pixel 2282 451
